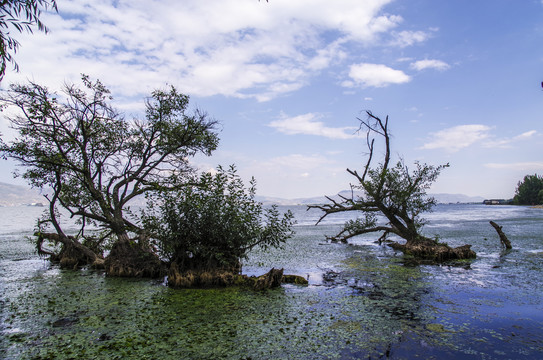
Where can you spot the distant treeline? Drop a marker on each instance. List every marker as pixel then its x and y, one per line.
pixel 529 191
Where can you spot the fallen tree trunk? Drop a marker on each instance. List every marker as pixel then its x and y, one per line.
pixel 503 239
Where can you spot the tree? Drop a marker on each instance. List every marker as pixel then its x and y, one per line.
pixel 21 16
pixel 395 193
pixel 529 191
pixel 96 163
pixel 206 229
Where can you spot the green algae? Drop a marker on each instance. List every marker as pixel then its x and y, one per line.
pixel 376 307
pixel 119 318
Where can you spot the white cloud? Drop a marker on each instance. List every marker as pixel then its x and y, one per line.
pixel 409 38
pixel 255 49
pixel 525 135
pixel 521 166
pixel 458 137
pixel 430 64
pixel 375 75
pixel 307 124
pixel 507 142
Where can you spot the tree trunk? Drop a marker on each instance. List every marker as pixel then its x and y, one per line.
pixel 129 258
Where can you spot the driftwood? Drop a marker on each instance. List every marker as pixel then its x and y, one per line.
pixel 504 240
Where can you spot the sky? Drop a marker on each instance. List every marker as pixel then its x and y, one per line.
pixel 287 79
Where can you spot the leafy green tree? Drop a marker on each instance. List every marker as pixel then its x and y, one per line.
pixel 95 162
pixel 391 199
pixel 19 15
pixel 529 191
pixel 212 224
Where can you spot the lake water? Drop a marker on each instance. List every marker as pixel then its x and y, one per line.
pixel 374 306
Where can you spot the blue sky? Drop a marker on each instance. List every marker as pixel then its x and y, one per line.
pixel 460 81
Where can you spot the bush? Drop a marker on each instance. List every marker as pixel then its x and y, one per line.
pixel 212 224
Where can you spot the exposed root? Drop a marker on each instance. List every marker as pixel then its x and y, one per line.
pixel 431 250
pixel 194 279
pixel 72 255
pixel 294 279
pixel 269 280
pixel 129 259
pixel 222 278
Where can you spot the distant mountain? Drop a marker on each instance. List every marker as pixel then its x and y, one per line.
pixel 13 195
pixel 456 198
pixel 440 198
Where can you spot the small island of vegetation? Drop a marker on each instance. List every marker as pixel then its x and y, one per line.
pixel 96 162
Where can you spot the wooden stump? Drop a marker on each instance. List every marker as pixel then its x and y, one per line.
pixel 269 280
pixel 504 240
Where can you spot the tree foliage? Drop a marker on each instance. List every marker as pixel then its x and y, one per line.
pixel 93 159
pixel 529 191
pixel 213 223
pixel 19 15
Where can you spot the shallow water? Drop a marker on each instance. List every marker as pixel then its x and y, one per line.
pixel 375 307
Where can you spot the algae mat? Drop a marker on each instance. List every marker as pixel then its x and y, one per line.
pixel 367 313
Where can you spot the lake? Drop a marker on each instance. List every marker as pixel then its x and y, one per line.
pixel 363 300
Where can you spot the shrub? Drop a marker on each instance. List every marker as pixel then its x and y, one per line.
pixel 213 223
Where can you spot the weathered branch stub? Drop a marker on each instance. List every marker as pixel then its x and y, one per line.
pixel 503 238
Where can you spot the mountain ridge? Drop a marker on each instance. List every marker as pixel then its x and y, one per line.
pixel 14 195
pixel 441 198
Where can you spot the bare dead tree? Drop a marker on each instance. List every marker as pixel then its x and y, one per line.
pixel 395 193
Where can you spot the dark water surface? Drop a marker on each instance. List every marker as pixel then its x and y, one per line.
pixel 363 301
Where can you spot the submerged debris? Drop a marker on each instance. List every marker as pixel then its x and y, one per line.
pixel 504 240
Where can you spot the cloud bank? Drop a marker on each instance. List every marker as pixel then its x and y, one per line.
pixel 247 49
pixel 458 137
pixel 307 124
pixel 462 136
